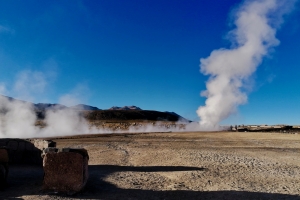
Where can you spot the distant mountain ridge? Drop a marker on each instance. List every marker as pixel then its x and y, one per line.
pixel 125 108
pixel 120 115
pixel 46 106
pixel 113 113
pixel 84 107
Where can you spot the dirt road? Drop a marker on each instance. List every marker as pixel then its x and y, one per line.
pixel 219 165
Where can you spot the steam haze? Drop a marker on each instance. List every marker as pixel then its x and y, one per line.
pixel 18 118
pixel 229 69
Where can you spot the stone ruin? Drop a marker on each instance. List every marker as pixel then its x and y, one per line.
pixel 25 151
pixel 20 151
pixel 3 166
pixel 65 170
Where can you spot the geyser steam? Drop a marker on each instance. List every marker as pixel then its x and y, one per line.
pixel 18 118
pixel 256 24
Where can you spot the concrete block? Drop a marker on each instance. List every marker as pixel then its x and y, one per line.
pixel 65 171
pixel 3 155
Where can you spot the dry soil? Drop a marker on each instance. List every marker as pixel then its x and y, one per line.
pixel 199 165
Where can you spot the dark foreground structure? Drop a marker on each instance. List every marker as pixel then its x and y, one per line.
pixel 25 151
pixel 65 170
pixel 3 166
pixel 19 151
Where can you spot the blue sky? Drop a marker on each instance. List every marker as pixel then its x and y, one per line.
pixel 138 52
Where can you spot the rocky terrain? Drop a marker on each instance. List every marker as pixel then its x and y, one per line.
pixel 198 165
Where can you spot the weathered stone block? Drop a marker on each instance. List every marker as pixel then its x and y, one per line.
pixel 3 155
pixel 28 158
pixel 2 143
pixel 43 144
pixel 11 154
pixel 29 146
pixel 22 151
pixel 21 146
pixel 36 157
pixel 65 171
pixel 12 145
pixel 3 166
pixel 18 157
pixel 2 176
pixel 49 150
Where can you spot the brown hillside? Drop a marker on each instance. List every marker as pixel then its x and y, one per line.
pixel 131 115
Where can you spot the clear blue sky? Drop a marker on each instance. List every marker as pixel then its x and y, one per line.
pixel 138 52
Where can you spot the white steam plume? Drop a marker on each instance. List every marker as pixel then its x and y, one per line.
pixel 65 122
pixel 18 120
pixel 256 23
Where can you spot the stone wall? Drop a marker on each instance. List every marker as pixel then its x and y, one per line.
pixel 3 166
pixel 22 151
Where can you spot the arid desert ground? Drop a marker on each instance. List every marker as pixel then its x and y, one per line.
pixel 191 165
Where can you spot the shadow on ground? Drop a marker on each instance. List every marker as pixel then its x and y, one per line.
pixel 27 180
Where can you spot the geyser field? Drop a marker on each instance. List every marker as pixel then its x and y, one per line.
pixel 138 156
pixel 142 54
pixel 189 165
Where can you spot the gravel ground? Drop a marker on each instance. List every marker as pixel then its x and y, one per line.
pixel 202 165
